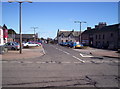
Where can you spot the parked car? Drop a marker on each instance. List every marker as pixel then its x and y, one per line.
pixel 12 46
pixel 77 45
pixel 65 43
pixel 35 42
pixel 40 41
pixel 70 44
pixel 30 44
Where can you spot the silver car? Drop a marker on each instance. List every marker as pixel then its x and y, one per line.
pixel 12 46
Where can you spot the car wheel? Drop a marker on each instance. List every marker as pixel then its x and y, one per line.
pixel 74 47
pixel 12 48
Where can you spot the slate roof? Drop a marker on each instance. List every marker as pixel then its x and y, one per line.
pixel 103 29
pixel 11 31
pixel 25 36
pixel 67 33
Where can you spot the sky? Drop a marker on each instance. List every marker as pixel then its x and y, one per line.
pixel 51 16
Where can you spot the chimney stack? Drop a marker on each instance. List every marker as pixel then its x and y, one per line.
pixel 96 26
pixel 88 28
pixel 102 24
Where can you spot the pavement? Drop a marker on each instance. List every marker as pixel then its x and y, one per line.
pixel 39 51
pixel 26 54
pixel 99 52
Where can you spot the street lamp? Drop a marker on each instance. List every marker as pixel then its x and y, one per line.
pixel 20 30
pixel 34 32
pixel 80 40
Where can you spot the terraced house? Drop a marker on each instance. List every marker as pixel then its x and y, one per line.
pixel 65 36
pixel 102 36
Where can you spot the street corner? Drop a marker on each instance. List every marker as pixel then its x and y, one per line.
pixel 26 54
pixel 98 52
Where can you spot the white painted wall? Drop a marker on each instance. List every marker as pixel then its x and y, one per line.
pixel 1 36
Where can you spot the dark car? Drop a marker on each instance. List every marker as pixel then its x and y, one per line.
pixel 64 43
pixel 12 46
pixel 70 44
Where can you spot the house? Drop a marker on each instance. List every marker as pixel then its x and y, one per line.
pixel 5 33
pixel 1 36
pixel 11 35
pixel 102 36
pixel 66 36
pixel 26 37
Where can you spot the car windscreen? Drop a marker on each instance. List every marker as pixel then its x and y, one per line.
pixel 16 43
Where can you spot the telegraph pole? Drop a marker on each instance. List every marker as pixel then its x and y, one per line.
pixel 80 40
pixel 34 32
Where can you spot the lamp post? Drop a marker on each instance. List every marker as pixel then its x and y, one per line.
pixel 80 40
pixel 20 20
pixel 34 32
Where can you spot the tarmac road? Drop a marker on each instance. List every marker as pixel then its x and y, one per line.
pixel 61 67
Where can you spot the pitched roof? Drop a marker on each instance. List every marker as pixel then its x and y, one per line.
pixel 103 29
pixel 11 31
pixel 25 36
pixel 67 33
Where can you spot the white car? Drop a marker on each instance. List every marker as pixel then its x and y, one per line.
pixel 30 44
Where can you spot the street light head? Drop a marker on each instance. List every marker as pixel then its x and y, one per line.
pixel 76 21
pixel 28 1
pixel 84 22
pixel 10 1
pixel 20 1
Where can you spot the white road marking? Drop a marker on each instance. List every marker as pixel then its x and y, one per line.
pixel 53 62
pixel 43 50
pixel 85 56
pixel 77 62
pixel 78 59
pixel 60 49
pixel 65 62
pixel 4 61
pixel 13 61
pixel 40 62
pixel 27 62
pixel 66 52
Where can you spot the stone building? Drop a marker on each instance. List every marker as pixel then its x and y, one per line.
pixel 102 36
pixel 11 35
pixel 66 36
pixel 26 37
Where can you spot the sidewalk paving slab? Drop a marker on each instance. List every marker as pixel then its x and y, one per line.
pixel 26 54
pixel 99 52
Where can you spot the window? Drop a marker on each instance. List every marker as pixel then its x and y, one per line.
pixel 103 36
pixel 111 34
pixel 96 36
pixel 99 36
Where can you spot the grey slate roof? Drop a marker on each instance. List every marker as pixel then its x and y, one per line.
pixel 103 29
pixel 67 33
pixel 25 36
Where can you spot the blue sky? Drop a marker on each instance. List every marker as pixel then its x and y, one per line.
pixel 51 16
